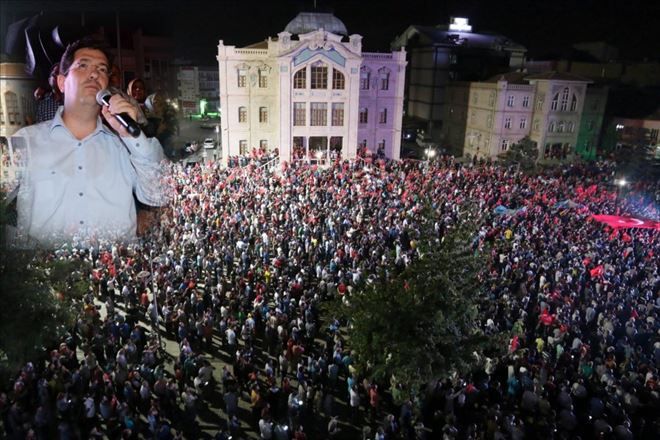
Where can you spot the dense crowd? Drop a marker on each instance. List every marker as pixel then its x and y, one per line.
pixel 244 257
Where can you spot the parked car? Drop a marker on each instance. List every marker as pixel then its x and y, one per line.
pixel 208 143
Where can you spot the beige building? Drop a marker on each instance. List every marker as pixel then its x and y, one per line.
pixel 17 104
pixel 311 93
pixel 486 118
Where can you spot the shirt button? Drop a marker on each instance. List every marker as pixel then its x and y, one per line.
pixel 82 222
pixel 137 144
pixel 80 144
pixel 80 167
pixel 80 194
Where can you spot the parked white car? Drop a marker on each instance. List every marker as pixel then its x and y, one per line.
pixel 208 143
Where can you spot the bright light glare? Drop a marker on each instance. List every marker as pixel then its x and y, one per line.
pixel 621 182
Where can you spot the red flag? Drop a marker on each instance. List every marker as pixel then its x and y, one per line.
pixel 597 271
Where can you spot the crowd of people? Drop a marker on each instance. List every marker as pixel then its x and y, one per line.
pixel 243 258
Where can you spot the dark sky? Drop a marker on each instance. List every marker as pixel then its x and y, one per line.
pixel 544 27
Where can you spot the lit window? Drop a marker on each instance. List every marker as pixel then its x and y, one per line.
pixel 263 114
pixel 337 80
pixel 364 79
pixel 263 79
pixel 242 114
pixel 571 127
pixel 510 101
pixel 319 79
pixel 319 114
pixel 383 116
pixel 385 81
pixel 11 101
pixel 242 77
pixel 337 114
pixel 299 113
pixel 564 100
pixel 507 123
pixel 574 103
pixel 299 79
pixel 523 123
pixel 555 102
pixel 525 101
pixel 364 115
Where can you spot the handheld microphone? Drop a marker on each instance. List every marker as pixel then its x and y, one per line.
pixel 103 98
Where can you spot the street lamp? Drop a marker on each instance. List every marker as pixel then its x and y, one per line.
pixel 620 183
pixel 430 153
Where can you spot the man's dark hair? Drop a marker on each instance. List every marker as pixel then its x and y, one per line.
pixel 84 43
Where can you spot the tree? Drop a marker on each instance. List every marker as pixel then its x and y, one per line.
pixel 37 304
pixel 524 153
pixel 419 325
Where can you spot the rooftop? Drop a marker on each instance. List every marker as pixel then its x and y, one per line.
pixel 306 22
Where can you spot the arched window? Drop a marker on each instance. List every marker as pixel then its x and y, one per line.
pixel 384 76
pixel 338 80
pixel 574 103
pixel 299 79
pixel 319 78
pixel 564 100
pixel 11 101
pixel 555 102
pixel 365 76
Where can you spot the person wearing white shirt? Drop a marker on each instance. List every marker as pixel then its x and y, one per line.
pixel 81 175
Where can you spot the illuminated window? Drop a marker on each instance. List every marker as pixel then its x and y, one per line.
pixel 364 115
pixel 365 75
pixel 11 101
pixel 504 145
pixel 523 123
pixel 382 118
pixel 574 103
pixel 510 101
pixel 319 78
pixel 385 81
pixel 318 113
pixel 564 100
pixel 263 79
pixel 337 114
pixel 299 113
pixel 242 147
pixel 242 77
pixel 263 114
pixel 525 101
pixel 507 123
pixel 337 80
pixel 299 79
pixel 242 114
pixel 555 102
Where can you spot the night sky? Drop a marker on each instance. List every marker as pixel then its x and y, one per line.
pixel 545 28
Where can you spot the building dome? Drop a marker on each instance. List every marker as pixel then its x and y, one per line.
pixel 312 21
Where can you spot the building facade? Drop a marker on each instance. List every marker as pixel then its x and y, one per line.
pixel 440 55
pixel 17 104
pixel 198 90
pixel 311 93
pixel 557 111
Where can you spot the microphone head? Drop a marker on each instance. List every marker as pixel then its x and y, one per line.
pixel 103 97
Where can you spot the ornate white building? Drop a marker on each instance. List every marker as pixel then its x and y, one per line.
pixel 311 92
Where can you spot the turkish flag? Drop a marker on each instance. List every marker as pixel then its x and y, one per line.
pixel 597 271
pixel 616 221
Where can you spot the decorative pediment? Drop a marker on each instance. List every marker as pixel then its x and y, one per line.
pixel 308 53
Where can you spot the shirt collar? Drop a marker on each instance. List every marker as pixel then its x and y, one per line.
pixel 58 121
